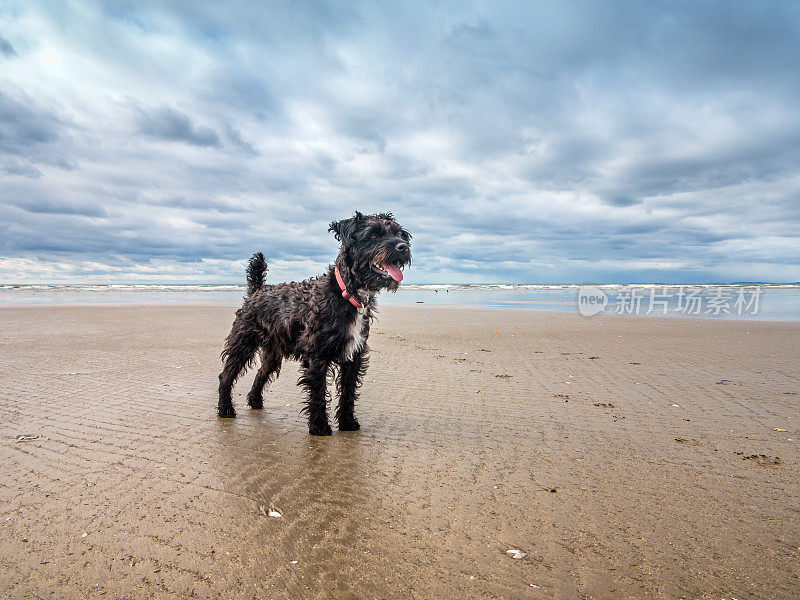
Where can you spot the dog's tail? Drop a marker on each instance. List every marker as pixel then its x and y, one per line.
pixel 256 271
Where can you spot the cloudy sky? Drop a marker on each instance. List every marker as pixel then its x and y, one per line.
pixel 532 142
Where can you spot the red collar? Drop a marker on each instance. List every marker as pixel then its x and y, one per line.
pixel 345 293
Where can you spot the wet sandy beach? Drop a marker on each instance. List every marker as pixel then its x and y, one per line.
pixel 622 458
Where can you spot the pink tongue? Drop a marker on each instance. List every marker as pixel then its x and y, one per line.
pixel 393 271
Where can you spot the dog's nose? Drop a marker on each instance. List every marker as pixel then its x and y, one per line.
pixel 401 247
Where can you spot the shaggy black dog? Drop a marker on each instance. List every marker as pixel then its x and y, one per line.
pixel 323 322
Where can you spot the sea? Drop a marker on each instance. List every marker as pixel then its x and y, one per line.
pixel 756 301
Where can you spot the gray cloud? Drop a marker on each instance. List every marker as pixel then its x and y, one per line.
pixel 11 166
pixel 168 124
pixel 52 207
pixel 6 49
pixel 23 125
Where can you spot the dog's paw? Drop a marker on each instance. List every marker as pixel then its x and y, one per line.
pixel 319 429
pixel 350 424
pixel 226 412
pixel 254 402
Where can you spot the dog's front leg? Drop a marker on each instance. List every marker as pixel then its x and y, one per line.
pixel 350 376
pixel 314 380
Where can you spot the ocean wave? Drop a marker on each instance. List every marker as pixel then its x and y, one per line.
pixel 227 287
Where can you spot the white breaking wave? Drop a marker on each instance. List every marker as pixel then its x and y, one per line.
pixel 213 287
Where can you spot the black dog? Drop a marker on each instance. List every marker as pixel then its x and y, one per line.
pixel 323 322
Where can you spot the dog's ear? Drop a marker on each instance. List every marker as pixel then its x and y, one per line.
pixel 343 230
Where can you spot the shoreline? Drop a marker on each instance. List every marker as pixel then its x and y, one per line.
pixel 185 303
pixel 739 302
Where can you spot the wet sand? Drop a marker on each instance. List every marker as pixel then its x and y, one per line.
pixel 624 457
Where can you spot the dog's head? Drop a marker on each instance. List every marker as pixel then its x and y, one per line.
pixel 375 249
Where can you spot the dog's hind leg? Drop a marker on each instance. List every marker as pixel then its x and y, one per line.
pixel 314 379
pixel 240 347
pixel 270 369
pixel 350 375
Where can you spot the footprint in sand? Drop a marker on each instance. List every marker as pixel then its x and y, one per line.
pixel 688 442
pixel 761 459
